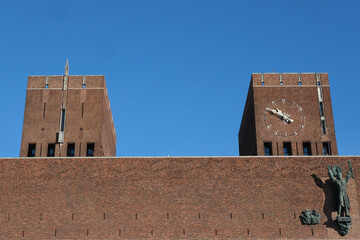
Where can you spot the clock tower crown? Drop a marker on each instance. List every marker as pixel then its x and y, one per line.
pixel 288 114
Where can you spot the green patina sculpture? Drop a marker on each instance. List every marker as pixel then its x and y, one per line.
pixel 335 174
pixel 310 217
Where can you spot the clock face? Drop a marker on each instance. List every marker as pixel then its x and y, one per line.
pixel 284 118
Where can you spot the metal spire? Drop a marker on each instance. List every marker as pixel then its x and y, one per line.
pixel 67 68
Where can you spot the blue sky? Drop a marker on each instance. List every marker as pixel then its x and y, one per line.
pixel 178 71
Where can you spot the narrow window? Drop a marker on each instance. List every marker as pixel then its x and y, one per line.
pixel 300 83
pixel 321 109
pixel 307 149
pixel 51 150
pixel 31 150
pixel 82 109
pixel 90 150
pixel 326 148
pixel 46 85
pixel 287 148
pixel 83 85
pixel 62 120
pixel 44 110
pixel 323 126
pixel 262 83
pixel 268 148
pixel 70 150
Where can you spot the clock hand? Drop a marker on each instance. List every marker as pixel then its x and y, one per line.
pixel 287 119
pixel 271 111
pixel 277 112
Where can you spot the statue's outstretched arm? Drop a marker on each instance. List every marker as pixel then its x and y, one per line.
pixel 331 174
pixel 350 173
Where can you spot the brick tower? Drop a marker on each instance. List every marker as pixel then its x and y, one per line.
pixel 288 114
pixel 67 116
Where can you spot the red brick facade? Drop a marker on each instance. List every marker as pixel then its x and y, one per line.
pixel 303 90
pixel 88 117
pixel 173 197
pixel 177 198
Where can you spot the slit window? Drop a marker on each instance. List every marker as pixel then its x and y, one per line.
pixel 51 150
pixel 62 127
pixel 82 109
pixel 307 149
pixel 323 127
pixel 90 149
pixel 326 148
pixel 287 148
pixel 83 85
pixel 31 149
pixel 321 109
pixel 44 110
pixel 70 150
pixel 268 148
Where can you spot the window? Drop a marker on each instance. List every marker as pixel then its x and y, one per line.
pixel 51 150
pixel 287 149
pixel 70 150
pixel 31 150
pixel 307 149
pixel 268 149
pixel 62 120
pixel 323 127
pixel 82 109
pixel 326 148
pixel 321 109
pixel 90 150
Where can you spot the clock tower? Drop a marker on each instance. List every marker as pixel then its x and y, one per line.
pixel 288 114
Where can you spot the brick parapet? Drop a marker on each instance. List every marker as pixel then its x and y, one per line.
pixel 74 82
pixel 170 197
pixel 289 79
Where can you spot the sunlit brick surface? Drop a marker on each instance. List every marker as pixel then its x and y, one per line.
pixel 177 198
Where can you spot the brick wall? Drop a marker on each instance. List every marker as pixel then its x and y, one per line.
pixel 88 115
pixel 268 87
pixel 175 197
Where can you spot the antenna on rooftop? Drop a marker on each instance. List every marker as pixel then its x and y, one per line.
pixel 66 75
pixel 67 68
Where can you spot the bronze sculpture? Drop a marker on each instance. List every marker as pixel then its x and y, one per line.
pixel 343 204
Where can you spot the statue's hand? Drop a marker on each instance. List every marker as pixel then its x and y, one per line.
pixel 349 163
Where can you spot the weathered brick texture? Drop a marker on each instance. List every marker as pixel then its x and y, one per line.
pixel 170 198
pixel 88 116
pixel 265 88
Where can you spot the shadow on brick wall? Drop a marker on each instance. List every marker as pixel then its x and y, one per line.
pixel 329 203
